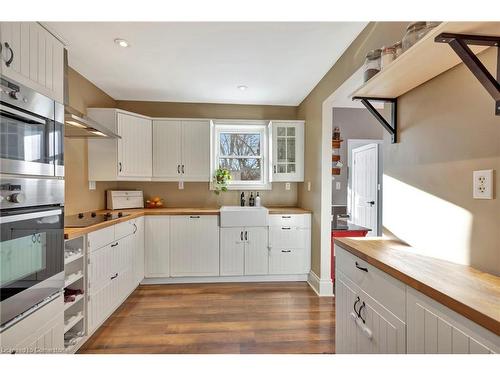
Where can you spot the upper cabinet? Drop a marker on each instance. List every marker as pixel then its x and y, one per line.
pixel 33 57
pixel 127 158
pixel 181 150
pixel 287 151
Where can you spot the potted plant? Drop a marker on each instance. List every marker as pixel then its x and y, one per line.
pixel 221 177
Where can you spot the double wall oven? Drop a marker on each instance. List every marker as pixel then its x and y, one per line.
pixel 31 201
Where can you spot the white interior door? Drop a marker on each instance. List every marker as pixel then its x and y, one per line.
pixel 365 187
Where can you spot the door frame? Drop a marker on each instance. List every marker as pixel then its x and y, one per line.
pixel 351 145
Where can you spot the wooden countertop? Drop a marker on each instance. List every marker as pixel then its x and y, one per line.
pixel 70 233
pixel 469 292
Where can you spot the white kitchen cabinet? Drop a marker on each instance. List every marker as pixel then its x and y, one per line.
pixel 128 158
pixel 369 329
pixel 287 261
pixel 157 246
pixel 37 58
pixel 256 251
pixel 232 252
pixel 181 150
pixel 287 151
pixel 194 245
pixel 40 332
pixel 244 251
pixel 435 329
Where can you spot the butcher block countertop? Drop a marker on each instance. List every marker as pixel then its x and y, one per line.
pixel 70 233
pixel 469 292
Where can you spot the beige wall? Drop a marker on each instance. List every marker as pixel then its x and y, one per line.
pixel 82 94
pixel 448 129
pixel 373 36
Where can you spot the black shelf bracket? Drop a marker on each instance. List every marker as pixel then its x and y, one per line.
pixel 460 44
pixel 392 128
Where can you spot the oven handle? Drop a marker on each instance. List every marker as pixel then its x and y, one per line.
pixel 11 112
pixel 32 215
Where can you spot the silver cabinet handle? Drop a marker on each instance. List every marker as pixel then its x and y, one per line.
pixel 246 236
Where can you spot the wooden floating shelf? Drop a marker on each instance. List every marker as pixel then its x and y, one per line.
pixel 335 158
pixel 423 61
pixel 336 171
pixel 336 143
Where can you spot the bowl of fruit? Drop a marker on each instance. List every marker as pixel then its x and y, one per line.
pixel 155 202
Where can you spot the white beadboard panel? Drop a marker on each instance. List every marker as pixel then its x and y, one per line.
pixel 157 246
pixel 287 261
pixel 433 328
pixel 232 252
pixel 345 327
pixel 139 242
pixel 256 251
pixel 196 150
pixel 134 148
pixel 100 268
pixel 167 149
pixel 194 245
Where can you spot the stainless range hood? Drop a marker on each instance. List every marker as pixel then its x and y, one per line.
pixel 76 125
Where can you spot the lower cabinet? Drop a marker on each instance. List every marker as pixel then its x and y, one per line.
pixel 375 313
pixel 157 246
pixel 435 329
pixel 40 332
pixel 194 245
pixel 256 251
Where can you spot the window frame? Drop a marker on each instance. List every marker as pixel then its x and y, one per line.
pixel 241 127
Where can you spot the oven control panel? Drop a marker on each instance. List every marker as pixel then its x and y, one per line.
pixel 30 192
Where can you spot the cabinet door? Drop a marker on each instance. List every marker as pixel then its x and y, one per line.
pixel 256 251
pixel 167 150
pixel 139 250
pixel 37 59
pixel 194 245
pixel 288 151
pixel 157 246
pixel 287 261
pixel 195 151
pixel 345 326
pixel 232 252
pixel 435 329
pixel 134 148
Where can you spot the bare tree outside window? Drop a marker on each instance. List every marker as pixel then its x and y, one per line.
pixel 240 153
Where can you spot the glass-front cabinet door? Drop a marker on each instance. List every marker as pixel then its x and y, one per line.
pixel 288 151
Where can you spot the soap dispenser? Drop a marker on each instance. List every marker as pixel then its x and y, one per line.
pixel 242 199
pixel 257 200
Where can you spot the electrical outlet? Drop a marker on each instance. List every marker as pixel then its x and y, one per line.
pixel 337 185
pixel 287 186
pixel 92 185
pixel 308 185
pixel 482 184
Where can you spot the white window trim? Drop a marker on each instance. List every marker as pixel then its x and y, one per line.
pixel 243 126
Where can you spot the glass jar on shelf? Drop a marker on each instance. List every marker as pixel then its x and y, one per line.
pixel 372 64
pixel 387 56
pixel 414 32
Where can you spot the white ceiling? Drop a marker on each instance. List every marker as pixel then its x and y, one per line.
pixel 205 62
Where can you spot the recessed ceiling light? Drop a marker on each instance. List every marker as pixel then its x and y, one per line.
pixel 121 42
pixel 242 87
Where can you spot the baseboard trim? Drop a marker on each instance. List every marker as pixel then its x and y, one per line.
pixel 223 279
pixel 323 288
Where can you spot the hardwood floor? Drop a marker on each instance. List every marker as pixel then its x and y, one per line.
pixel 219 318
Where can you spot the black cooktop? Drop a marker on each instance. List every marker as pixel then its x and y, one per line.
pixel 88 219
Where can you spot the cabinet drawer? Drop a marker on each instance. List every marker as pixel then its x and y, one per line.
pixel 101 238
pixel 284 220
pixel 287 261
pixel 124 229
pixel 380 286
pixel 286 237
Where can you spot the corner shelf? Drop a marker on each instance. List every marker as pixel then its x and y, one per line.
pixel 423 61
pixel 73 278
pixel 78 298
pixel 72 258
pixel 73 320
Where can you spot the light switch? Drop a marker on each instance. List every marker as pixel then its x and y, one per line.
pixel 308 185
pixel 482 184
pixel 287 186
pixel 92 185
